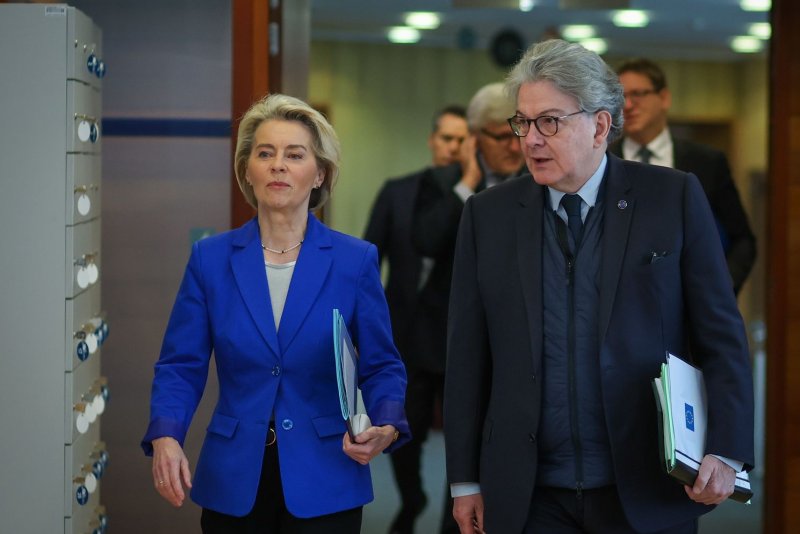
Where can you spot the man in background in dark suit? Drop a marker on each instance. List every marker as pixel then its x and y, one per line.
pixel 648 139
pixel 488 156
pixel 389 228
pixel 569 285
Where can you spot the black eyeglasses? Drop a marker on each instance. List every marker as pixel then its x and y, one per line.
pixel 637 94
pixel 498 137
pixel 547 125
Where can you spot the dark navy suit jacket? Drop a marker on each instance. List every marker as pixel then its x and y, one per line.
pixel 681 303
pixel 712 169
pixel 389 229
pixel 287 375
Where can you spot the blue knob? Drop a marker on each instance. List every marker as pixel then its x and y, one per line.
pixel 91 63
pixel 100 68
pixel 82 350
pixel 82 495
pixel 98 468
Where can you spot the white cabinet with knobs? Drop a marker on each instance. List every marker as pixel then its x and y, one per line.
pixel 52 391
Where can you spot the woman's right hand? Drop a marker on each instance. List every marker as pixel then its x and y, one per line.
pixel 170 470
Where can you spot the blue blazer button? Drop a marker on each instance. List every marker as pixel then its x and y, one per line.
pixel 287 424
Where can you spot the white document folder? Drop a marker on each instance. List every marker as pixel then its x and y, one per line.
pixel 347 377
pixel 681 401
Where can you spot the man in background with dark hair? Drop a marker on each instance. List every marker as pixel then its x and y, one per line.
pixel 389 229
pixel 648 139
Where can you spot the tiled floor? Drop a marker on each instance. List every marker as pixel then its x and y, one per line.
pixel 729 518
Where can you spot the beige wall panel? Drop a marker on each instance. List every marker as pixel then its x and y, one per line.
pixel 381 99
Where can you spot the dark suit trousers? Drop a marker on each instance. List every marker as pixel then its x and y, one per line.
pixel 596 511
pixel 269 514
pixel 422 392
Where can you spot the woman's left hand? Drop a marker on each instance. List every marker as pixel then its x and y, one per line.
pixel 369 443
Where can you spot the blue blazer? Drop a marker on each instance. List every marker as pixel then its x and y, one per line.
pixel 287 375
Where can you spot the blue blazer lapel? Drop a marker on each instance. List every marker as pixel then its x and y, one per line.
pixel 247 263
pixel 310 274
pixel 528 227
pixel 619 204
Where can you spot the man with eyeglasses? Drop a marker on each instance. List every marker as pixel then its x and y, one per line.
pixel 648 139
pixel 389 228
pixel 569 286
pixel 490 155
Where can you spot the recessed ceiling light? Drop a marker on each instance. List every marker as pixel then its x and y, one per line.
pixel 576 32
pixel 597 45
pixel 630 18
pixel 525 5
pixel 745 44
pixel 762 30
pixel 756 5
pixel 403 34
pixel 423 20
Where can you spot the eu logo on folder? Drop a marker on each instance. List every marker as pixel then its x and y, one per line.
pixel 681 402
pixel 347 377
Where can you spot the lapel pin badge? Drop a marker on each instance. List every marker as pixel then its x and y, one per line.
pixel 622 204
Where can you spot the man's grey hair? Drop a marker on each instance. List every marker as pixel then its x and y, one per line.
pixel 575 71
pixel 490 104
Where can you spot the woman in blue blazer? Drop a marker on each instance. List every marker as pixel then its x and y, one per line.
pixel 277 457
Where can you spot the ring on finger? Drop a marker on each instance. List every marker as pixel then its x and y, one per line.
pixel 161 483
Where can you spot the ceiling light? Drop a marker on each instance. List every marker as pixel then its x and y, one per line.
pixel 576 32
pixel 403 34
pixel 756 5
pixel 630 18
pixel 762 30
pixel 745 44
pixel 597 45
pixel 423 20
pixel 525 5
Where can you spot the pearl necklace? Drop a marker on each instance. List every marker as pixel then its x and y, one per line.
pixel 284 251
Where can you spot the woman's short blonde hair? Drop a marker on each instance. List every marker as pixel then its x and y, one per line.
pixel 324 142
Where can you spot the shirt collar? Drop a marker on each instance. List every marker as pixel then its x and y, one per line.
pixel 661 147
pixel 588 192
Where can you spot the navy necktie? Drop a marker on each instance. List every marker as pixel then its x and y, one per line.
pixel 572 205
pixel 644 154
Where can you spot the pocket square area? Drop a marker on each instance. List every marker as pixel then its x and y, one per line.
pixel 655 257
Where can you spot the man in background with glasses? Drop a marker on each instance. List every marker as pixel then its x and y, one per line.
pixel 490 155
pixel 569 286
pixel 648 139
pixel 389 228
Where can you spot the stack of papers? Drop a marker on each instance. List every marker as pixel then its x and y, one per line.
pixel 347 377
pixel 681 401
